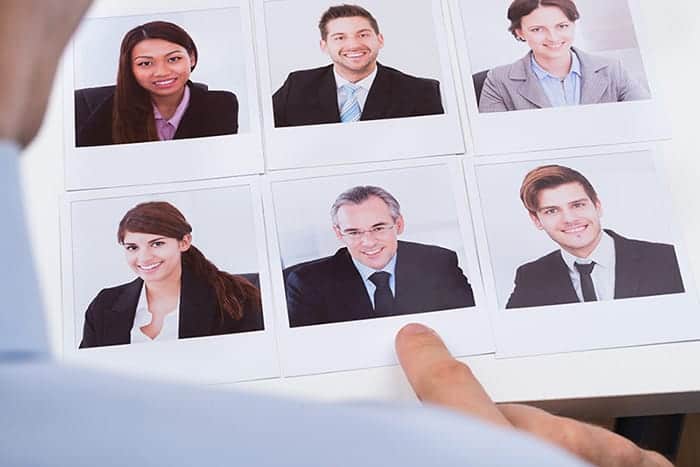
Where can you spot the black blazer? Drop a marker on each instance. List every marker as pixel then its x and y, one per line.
pixel 641 269
pixel 110 316
pixel 309 97
pixel 330 289
pixel 209 113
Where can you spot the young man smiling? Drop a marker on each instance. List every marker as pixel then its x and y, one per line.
pixel 355 86
pixel 375 274
pixel 592 263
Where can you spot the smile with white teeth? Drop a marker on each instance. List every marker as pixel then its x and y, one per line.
pixel 149 267
pixel 165 82
pixel 354 54
pixel 575 230
pixel 373 252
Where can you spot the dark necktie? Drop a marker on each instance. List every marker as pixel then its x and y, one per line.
pixel 585 270
pixel 383 298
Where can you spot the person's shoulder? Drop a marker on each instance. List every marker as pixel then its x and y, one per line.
pixel 404 78
pixel 310 74
pixel 109 295
pixel 318 268
pixel 644 247
pixel 595 62
pixel 423 249
pixel 542 263
pixel 211 97
pixel 514 70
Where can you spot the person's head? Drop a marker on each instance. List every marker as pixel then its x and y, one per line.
pixel 367 219
pixel 154 236
pixel 158 243
pixel 155 62
pixel 548 26
pixel 351 38
pixel 563 203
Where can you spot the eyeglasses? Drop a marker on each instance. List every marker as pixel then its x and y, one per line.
pixel 377 231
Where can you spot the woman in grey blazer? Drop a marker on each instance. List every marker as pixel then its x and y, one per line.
pixel 553 73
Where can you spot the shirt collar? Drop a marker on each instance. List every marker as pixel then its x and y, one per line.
pixel 541 73
pixel 179 111
pixel 603 255
pixel 365 83
pixel 365 271
pixel 143 315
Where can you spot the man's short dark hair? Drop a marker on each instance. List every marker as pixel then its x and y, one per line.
pixel 551 176
pixel 345 11
pixel 520 8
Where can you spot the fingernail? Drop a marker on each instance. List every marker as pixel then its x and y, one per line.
pixel 414 329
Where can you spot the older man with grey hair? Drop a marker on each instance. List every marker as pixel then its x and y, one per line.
pixel 374 274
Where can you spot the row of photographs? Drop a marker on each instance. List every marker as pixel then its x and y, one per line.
pixel 325 265
pixel 237 87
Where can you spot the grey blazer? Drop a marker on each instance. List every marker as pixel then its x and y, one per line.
pixel 515 86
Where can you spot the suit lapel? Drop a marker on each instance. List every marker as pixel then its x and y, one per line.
pixel 326 100
pixel 192 118
pixel 378 97
pixel 198 307
pixel 408 285
pixel 627 271
pixel 120 319
pixel 530 88
pixel 350 296
pixel 594 81
pixel 561 282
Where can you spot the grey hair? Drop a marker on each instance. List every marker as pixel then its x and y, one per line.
pixel 360 194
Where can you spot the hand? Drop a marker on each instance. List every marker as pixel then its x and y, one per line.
pixel 33 34
pixel 438 378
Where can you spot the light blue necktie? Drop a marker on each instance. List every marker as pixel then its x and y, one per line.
pixel 350 112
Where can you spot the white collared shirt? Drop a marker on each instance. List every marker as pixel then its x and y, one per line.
pixel 603 274
pixel 143 317
pixel 364 85
pixel 365 272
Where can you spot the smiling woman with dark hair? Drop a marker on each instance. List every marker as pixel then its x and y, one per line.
pixel 179 293
pixel 554 73
pixel 154 98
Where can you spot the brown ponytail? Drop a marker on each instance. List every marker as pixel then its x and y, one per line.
pixel 233 293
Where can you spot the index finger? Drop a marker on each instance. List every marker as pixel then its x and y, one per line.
pixel 439 378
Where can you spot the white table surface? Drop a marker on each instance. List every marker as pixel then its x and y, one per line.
pixel 650 379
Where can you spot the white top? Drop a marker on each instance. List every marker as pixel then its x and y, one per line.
pixel 364 85
pixel 603 274
pixel 365 272
pixel 143 317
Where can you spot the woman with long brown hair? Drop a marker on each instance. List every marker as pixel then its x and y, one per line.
pixel 178 293
pixel 154 98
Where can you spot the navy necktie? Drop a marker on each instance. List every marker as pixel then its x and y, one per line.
pixel 585 270
pixel 383 298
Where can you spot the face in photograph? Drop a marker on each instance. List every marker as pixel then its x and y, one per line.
pixel 548 32
pixel 162 67
pixel 155 258
pixel 570 218
pixel 353 46
pixel 369 231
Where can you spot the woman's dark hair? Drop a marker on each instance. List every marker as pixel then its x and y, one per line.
pixel 233 293
pixel 132 112
pixel 520 8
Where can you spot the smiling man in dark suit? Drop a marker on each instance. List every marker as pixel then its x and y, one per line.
pixel 355 87
pixel 375 274
pixel 592 263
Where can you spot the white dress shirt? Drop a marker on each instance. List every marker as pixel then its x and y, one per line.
pixel 364 85
pixel 603 274
pixel 365 272
pixel 143 317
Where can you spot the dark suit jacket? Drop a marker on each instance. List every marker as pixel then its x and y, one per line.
pixel 110 316
pixel 309 97
pixel 330 289
pixel 641 269
pixel 209 113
